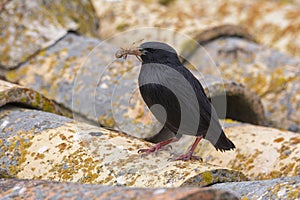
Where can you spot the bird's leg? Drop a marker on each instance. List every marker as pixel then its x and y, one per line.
pixel 158 146
pixel 189 155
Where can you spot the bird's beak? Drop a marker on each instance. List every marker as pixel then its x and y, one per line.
pixel 139 51
pixel 143 51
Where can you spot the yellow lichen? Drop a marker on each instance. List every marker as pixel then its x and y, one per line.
pixel 61 147
pixel 39 156
pixel 207 177
pixel 275 174
pixel 244 198
pixel 122 26
pixel 106 121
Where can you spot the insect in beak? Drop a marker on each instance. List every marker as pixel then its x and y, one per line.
pixel 123 53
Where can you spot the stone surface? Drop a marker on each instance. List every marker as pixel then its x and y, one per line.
pixel 233 100
pixel 272 75
pixel 15 94
pixel 39 145
pixel 28 27
pixel 283 188
pixel 65 73
pixel 273 23
pixel 104 90
pixel 33 189
pixel 55 148
pixel 261 152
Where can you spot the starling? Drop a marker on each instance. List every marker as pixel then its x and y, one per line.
pixel 177 99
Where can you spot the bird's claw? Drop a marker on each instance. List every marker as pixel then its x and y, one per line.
pixel 186 157
pixel 144 150
pixel 154 149
pixel 168 147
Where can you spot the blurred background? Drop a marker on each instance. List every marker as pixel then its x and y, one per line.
pixel 274 23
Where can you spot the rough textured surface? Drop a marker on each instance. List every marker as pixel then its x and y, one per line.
pixel 261 152
pixel 15 94
pixel 40 145
pixel 15 122
pixel 234 100
pixel 27 26
pixel 77 152
pixel 272 75
pixel 54 72
pixel 32 120
pixel 215 33
pixel 105 91
pixel 2 4
pixel 269 73
pixel 274 23
pixel 32 189
pixel 283 188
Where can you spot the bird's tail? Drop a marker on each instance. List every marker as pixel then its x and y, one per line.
pixel 223 143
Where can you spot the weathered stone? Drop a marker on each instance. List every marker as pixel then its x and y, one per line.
pixel 274 23
pixel 2 3
pixel 283 188
pixel 234 101
pixel 215 33
pixel 37 189
pixel 269 73
pixel 28 27
pixel 15 94
pixel 57 73
pixel 261 152
pixel 105 90
pixel 77 152
pixel 272 75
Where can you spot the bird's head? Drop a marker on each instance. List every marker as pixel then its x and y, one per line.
pixel 157 52
pixel 151 52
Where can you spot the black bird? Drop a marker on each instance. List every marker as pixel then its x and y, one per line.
pixel 177 99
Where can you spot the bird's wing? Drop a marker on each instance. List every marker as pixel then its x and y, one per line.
pixel 191 97
pixel 208 113
pixel 195 112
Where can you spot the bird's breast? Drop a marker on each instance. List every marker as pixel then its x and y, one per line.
pixel 167 87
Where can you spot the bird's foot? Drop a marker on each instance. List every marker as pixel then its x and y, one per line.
pixel 187 156
pixel 154 149
pixel 159 146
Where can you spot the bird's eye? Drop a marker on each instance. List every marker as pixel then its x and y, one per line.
pixel 144 51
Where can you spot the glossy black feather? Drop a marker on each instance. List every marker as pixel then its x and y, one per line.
pixel 163 80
